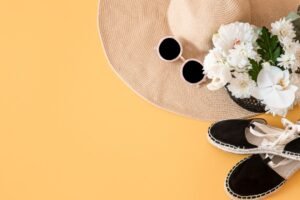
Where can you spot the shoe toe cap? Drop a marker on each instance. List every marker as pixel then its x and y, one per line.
pixel 253 178
pixel 230 132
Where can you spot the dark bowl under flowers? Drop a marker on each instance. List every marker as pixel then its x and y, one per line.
pixel 251 104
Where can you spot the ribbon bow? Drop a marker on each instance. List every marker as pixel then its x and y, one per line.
pixel 275 137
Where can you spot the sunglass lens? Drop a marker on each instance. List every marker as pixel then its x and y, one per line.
pixel 193 71
pixel 169 49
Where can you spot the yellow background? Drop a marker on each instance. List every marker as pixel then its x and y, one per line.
pixel 71 130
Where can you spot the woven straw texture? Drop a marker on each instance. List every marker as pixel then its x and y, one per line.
pixel 130 31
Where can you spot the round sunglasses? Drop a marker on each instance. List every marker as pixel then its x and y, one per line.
pixel 170 50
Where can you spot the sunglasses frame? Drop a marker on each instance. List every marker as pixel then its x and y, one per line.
pixel 180 57
pixel 182 68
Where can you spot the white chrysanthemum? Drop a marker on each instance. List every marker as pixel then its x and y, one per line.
pixel 287 61
pixel 234 34
pixel 241 85
pixel 238 57
pixel 283 29
pixel 216 69
pixel 293 48
pixel 220 76
pixel 214 57
pixel 275 90
pixel 290 46
pixel 291 57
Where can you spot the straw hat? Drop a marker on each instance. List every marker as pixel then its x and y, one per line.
pixel 131 29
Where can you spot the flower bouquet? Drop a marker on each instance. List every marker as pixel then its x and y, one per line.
pixel 258 66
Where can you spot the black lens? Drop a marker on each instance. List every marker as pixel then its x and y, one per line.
pixel 169 49
pixel 193 71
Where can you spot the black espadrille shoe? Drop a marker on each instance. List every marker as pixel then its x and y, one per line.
pixel 254 136
pixel 259 176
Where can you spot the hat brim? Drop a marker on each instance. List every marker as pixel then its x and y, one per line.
pixel 130 31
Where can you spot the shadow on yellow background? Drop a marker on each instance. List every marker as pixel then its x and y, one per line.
pixel 71 130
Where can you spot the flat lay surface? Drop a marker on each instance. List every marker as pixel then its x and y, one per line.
pixel 70 129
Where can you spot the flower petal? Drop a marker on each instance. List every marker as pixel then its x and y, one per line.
pixel 260 93
pixel 268 77
pixel 281 99
pixel 216 84
pixel 286 77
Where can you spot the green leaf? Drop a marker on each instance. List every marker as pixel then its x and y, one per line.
pixel 277 52
pixel 254 71
pixel 269 46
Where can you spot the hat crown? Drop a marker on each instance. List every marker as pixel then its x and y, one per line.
pixel 197 20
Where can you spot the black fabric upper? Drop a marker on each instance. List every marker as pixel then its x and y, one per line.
pixel 293 146
pixel 254 177
pixel 232 132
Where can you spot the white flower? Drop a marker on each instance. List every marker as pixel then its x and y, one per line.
pixel 295 80
pixel 287 61
pixel 238 57
pixel 266 65
pixel 294 49
pixel 274 90
pixel 220 75
pixel 241 85
pixel 214 57
pixel 283 29
pixel 234 34
pixel 290 45
pixel 291 57
pixel 216 68
pixel 277 111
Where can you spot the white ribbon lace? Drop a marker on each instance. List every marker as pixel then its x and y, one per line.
pixel 281 163
pixel 276 138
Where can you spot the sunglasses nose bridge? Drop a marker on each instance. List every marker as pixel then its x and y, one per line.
pixel 182 58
